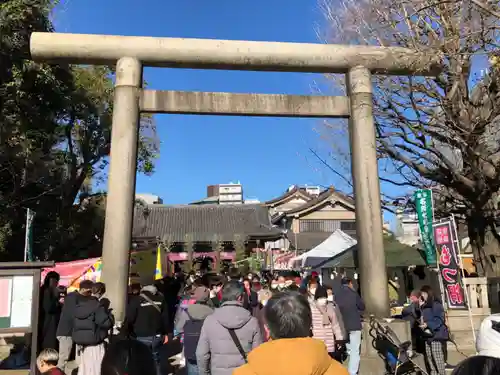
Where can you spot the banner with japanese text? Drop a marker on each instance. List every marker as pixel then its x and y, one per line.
pixel 449 264
pixel 423 204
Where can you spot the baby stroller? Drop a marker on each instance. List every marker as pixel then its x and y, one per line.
pixel 398 356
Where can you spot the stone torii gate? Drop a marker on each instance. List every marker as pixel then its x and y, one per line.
pixel 130 54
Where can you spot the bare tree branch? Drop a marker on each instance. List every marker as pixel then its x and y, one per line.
pixel 434 131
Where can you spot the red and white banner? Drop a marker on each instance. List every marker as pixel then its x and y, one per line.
pixel 283 261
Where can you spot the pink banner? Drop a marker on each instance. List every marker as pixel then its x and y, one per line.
pixel 283 261
pixel 141 264
pixel 70 271
pixel 5 297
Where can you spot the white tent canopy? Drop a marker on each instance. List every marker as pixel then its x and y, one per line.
pixel 335 244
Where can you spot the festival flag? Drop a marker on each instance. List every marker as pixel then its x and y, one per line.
pixel 424 205
pixel 158 270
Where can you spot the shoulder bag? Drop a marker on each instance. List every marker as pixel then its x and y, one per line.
pixel 237 343
pixel 151 302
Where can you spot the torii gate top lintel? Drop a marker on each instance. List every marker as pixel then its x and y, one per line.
pixel 230 54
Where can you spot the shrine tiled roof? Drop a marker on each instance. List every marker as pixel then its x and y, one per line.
pixel 323 197
pixel 204 223
pixel 289 193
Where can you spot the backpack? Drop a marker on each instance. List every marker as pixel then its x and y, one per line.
pixel 86 332
pixel 192 331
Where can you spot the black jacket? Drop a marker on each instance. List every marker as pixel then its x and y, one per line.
pixel 412 314
pixel 65 327
pixel 92 322
pixel 49 314
pixel 250 301
pixel 143 319
pixel 351 306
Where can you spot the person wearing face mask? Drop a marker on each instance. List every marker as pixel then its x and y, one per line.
pixel 264 296
pixel 281 283
pixel 327 325
pixel 250 299
pixel 434 331
pixel 98 291
pixel 311 289
pixel 340 350
pixel 352 307
pixel 329 292
pixel 215 292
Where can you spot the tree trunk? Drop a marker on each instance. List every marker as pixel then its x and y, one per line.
pixel 485 244
pixel 217 257
pixel 189 266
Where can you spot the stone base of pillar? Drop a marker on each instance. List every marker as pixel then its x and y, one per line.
pixel 371 362
pixel 400 327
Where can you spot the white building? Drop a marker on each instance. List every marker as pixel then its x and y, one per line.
pixel 407 229
pixel 149 198
pixel 231 193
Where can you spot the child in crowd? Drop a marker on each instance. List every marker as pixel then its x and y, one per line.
pixel 47 362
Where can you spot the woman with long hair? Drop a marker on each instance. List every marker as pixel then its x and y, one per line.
pixel 327 326
pixel 434 331
pixel 312 286
pixel 49 312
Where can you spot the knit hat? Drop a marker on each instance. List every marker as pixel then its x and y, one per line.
pixel 201 294
pixel 488 339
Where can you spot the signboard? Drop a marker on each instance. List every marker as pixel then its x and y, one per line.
pixel 448 263
pixel 16 296
pixel 423 204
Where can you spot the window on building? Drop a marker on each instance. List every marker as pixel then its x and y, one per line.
pixel 318 225
pixel 347 225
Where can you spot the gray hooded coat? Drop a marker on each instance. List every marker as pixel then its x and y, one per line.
pixel 197 311
pixel 216 353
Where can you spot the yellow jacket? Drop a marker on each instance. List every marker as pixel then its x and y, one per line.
pixel 300 356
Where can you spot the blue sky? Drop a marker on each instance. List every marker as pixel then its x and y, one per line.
pixel 265 154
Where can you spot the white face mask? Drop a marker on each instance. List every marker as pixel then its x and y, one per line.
pixel 330 298
pixel 274 286
pixel 321 301
pixel 213 293
pixel 312 291
pixel 281 285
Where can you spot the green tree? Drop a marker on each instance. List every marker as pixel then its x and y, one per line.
pixel 241 253
pixel 55 126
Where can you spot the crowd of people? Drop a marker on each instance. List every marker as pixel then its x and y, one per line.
pixel 218 320
pixel 229 324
